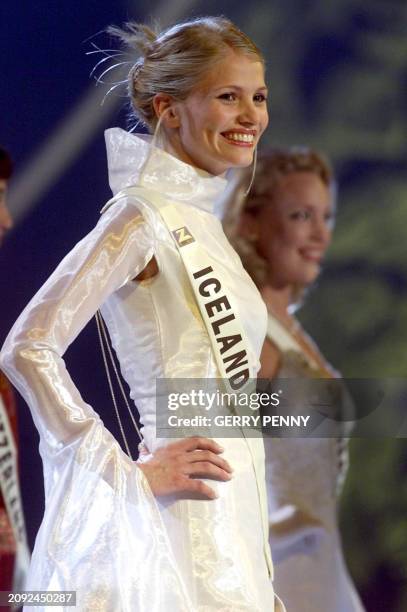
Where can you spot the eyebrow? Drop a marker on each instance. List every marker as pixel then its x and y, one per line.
pixel 310 206
pixel 237 87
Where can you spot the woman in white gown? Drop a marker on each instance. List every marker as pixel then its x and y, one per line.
pixel 282 231
pixel 104 535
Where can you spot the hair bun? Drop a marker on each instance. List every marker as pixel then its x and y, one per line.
pixel 135 36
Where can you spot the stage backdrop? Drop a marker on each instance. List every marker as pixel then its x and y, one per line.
pixel 337 76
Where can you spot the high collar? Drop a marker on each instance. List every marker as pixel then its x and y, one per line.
pixel 132 160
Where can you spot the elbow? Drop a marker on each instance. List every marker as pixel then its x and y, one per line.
pixel 21 356
pixel 14 352
pixel 20 361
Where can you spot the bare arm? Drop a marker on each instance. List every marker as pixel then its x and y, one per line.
pixel 270 360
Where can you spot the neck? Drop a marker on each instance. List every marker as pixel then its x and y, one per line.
pixel 172 144
pixel 276 300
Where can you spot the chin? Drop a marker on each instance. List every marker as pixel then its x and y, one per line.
pixel 310 273
pixel 242 161
pixel 304 278
pixel 308 279
pixel 246 157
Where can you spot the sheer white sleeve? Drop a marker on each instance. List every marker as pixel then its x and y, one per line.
pixel 115 251
pixel 102 534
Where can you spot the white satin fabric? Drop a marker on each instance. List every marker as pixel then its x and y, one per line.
pixel 103 534
pixel 302 477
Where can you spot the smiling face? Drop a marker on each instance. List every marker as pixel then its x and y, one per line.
pixel 294 229
pixel 221 121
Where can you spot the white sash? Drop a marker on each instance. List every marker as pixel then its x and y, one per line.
pixel 10 489
pixel 226 334
pixel 227 337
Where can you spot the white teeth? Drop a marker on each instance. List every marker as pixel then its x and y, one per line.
pixel 312 253
pixel 239 137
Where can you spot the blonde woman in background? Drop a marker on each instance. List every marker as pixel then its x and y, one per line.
pixel 281 232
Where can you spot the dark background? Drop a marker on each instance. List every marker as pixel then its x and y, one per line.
pixel 337 72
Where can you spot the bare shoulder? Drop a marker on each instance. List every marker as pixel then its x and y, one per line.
pixel 270 360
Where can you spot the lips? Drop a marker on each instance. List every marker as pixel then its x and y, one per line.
pixel 240 138
pixel 314 255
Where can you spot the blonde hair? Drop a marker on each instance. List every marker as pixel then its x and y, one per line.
pixel 272 166
pixel 175 60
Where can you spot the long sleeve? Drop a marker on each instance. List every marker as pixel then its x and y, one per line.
pixel 113 253
pixel 102 534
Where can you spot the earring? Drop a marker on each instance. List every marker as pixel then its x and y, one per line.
pixel 152 145
pixel 254 165
pixel 157 127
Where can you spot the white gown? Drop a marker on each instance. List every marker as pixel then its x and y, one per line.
pixel 103 533
pixel 302 476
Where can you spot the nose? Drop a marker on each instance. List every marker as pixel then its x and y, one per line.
pixel 6 221
pixel 321 231
pixel 249 113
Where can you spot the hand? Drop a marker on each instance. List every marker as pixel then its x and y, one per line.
pixel 177 467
